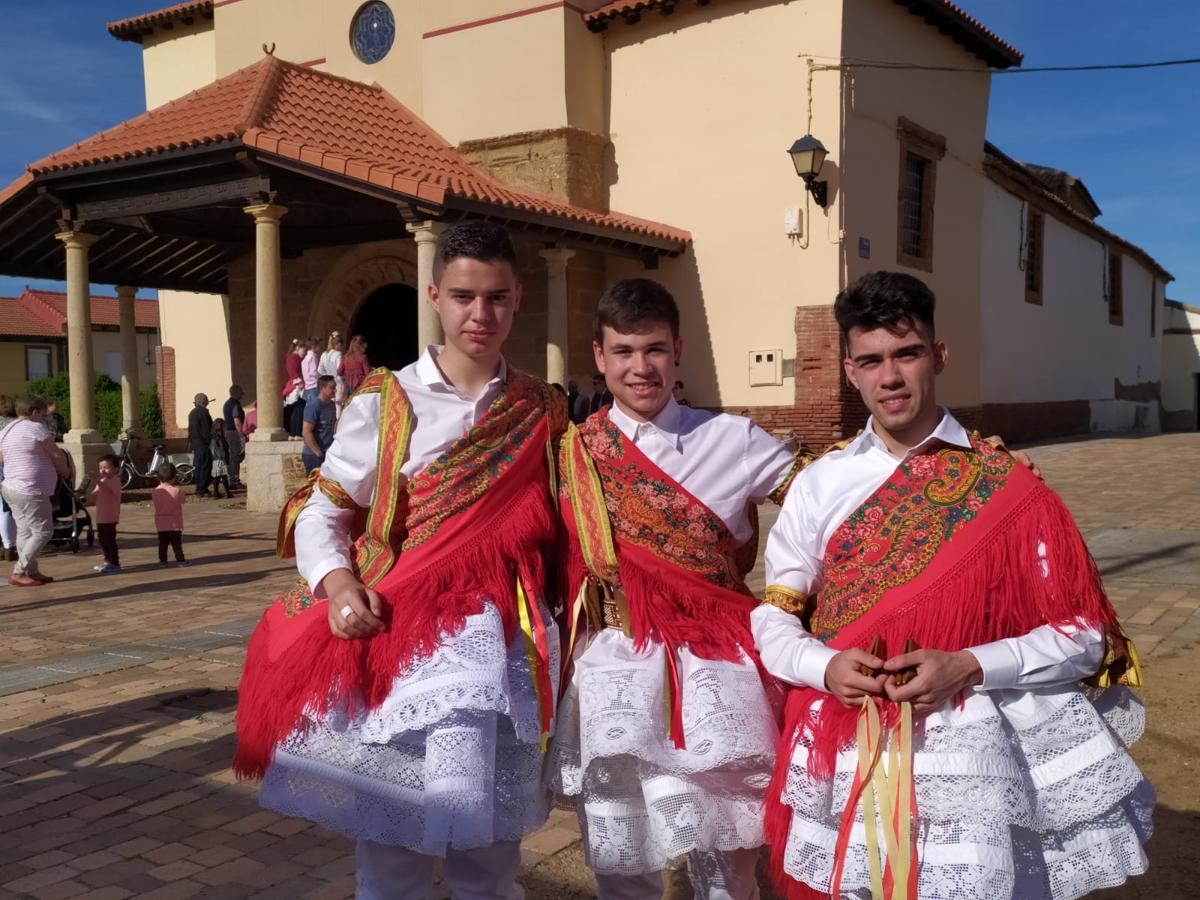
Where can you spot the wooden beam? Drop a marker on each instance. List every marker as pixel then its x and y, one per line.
pixel 167 200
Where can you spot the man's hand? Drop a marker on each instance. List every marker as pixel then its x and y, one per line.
pixel 939 677
pixel 845 681
pixel 1019 455
pixel 366 606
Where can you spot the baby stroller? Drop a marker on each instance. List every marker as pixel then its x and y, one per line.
pixel 70 518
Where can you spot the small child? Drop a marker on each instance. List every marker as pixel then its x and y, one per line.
pixel 106 497
pixel 168 515
pixel 219 448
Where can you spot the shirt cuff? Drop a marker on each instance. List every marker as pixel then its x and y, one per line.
pixel 811 663
pixel 317 572
pixel 1001 667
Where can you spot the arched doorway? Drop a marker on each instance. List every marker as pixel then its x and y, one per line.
pixel 387 318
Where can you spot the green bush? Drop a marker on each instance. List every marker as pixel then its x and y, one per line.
pixel 108 404
pixel 150 413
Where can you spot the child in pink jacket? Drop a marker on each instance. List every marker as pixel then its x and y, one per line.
pixel 168 515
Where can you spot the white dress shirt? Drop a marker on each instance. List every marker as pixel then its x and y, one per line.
pixel 441 416
pixel 823 496
pixel 726 462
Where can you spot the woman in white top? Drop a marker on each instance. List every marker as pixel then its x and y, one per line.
pixel 328 364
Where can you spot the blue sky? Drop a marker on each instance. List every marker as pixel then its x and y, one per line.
pixel 1131 136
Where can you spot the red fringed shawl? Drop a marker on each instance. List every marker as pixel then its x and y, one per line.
pixel 465 528
pixel 631 526
pixel 957 548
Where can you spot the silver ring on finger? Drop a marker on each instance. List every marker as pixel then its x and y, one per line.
pixel 347 611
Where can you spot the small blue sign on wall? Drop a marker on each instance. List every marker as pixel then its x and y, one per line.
pixel 864 247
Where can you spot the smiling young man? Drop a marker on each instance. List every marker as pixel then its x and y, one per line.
pixel 919 573
pixel 403 696
pixel 667 735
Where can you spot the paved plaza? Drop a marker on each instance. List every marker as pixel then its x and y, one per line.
pixel 117 700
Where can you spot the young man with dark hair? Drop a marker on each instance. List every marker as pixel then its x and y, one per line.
pixel 667 734
pixel 320 420
pixel 404 695
pixel 936 608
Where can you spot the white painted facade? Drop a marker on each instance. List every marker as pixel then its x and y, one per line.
pixel 1181 365
pixel 1066 348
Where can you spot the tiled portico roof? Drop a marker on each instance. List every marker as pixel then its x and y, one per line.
pixel 334 124
pixel 949 18
pixel 134 28
pixel 44 314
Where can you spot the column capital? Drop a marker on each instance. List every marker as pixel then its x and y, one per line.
pixel 426 232
pixel 77 240
pixel 556 256
pixel 265 212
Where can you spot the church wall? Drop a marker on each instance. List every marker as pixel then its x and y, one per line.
pixel 1181 366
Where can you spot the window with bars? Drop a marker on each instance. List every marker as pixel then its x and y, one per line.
pixel 1035 231
pixel 920 149
pixel 1116 310
pixel 911 205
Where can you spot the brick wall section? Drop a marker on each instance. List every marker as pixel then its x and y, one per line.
pixel 164 376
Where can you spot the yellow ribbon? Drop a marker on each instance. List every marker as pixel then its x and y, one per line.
pixel 887 800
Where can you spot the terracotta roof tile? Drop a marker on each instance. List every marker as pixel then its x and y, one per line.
pixel 46 313
pixel 17 319
pixel 334 123
pixel 132 29
pixel 947 17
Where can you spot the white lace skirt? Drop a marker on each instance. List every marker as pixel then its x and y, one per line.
pixel 452 758
pixel 1020 794
pixel 643 802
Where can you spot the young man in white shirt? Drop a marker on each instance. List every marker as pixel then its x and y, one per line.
pixel 918 574
pixel 667 734
pixel 404 695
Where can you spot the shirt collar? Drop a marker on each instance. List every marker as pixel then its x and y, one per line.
pixel 947 431
pixel 431 376
pixel 665 426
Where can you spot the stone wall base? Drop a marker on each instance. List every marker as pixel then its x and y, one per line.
pixel 273 472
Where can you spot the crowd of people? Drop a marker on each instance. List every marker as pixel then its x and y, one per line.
pixel 510 595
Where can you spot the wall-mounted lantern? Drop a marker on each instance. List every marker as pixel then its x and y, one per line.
pixel 808 156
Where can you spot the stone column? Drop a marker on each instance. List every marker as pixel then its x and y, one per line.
pixel 268 310
pixel 556 313
pixel 79 338
pixel 429 326
pixel 130 382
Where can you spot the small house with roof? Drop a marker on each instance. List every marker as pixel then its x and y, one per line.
pixel 33 338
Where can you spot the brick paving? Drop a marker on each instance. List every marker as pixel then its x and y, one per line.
pixel 119 692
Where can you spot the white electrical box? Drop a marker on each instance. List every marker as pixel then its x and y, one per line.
pixel 791 222
pixel 766 367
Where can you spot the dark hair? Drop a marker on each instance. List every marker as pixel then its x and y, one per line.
pixel 7 407
pixel 558 387
pixel 634 305
pixel 679 384
pixel 235 391
pixel 28 405
pixel 165 472
pixel 473 239
pixel 884 300
pixel 324 380
pixel 111 459
pixel 597 377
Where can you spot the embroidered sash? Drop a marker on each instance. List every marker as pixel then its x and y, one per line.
pixel 958 547
pixel 476 524
pixel 636 534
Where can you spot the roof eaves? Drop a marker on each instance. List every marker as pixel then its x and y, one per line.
pixel 996 159
pixel 136 27
pixel 965 30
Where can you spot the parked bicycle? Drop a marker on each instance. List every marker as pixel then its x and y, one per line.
pixel 184 471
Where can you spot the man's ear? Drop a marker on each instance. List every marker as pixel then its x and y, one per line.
pixel 678 350
pixel 848 368
pixel 433 296
pixel 518 292
pixel 598 353
pixel 941 353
